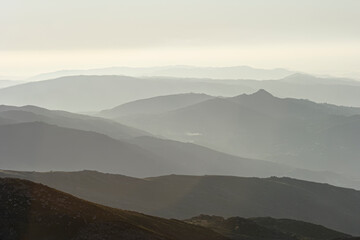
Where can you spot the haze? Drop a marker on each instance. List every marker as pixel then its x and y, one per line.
pixel 319 37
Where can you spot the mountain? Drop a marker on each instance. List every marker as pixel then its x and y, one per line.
pixel 301 78
pixel 95 93
pixel 183 197
pixel 36 212
pixel 339 91
pixel 39 146
pixel 265 228
pixel 260 126
pixel 181 158
pixel 42 147
pixel 69 120
pixel 8 83
pixel 155 105
pixel 236 72
pixel 89 93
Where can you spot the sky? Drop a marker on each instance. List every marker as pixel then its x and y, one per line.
pixel 314 36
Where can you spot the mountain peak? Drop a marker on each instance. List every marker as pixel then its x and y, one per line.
pixel 262 93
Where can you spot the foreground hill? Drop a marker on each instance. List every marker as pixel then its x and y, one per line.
pixel 183 197
pixel 261 126
pixel 35 212
pixel 238 228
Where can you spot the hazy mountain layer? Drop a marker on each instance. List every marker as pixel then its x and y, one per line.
pixel 155 105
pixel 261 126
pixel 183 197
pixel 236 72
pixel 69 120
pixel 95 93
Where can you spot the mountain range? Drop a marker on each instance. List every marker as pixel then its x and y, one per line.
pixel 92 93
pixel 58 137
pixel 295 132
pixel 236 72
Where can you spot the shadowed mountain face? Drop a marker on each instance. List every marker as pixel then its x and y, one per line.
pixel 183 197
pixel 36 212
pixel 265 228
pixel 261 126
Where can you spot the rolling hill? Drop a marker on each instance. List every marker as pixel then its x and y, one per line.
pixel 183 197
pixel 36 212
pixel 237 228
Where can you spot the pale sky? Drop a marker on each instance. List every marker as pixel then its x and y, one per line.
pixel 315 36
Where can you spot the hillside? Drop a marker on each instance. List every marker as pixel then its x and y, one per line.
pixel 36 212
pixel 183 197
pixel 265 228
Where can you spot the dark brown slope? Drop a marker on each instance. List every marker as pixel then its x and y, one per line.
pixel 34 212
pixel 238 228
pixel 183 197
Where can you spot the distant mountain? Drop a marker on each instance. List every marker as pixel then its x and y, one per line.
pixel 237 228
pixel 35 212
pixel 42 147
pixel 155 105
pixel 339 91
pixel 184 158
pixel 183 197
pixel 236 72
pixel 66 119
pixel 95 93
pixel 8 83
pixel 313 80
pixel 297 132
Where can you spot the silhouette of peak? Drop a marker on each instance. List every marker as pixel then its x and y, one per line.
pixel 262 93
